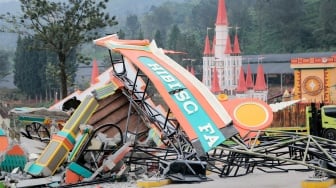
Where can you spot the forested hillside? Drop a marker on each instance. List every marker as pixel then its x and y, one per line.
pixel 118 8
pixel 263 26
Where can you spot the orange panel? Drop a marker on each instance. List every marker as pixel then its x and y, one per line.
pixel 71 177
pixel 305 61
pixel 244 120
pixel 318 60
pixel 4 143
pixel 294 61
pixel 64 141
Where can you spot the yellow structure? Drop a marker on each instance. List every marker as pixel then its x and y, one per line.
pixel 315 79
pixel 153 183
pixel 62 143
pixel 318 183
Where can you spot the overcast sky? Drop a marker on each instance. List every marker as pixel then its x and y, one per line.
pixel 1 1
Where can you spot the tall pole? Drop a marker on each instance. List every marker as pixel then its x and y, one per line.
pixel 281 82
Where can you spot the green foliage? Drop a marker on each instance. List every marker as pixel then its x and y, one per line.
pixel 36 72
pixel 263 26
pixel 28 68
pixel 140 36
pixel 121 34
pixel 158 20
pixel 4 64
pixel 327 31
pixel 202 16
pixel 159 39
pixel 174 38
pixel 132 26
pixel 61 27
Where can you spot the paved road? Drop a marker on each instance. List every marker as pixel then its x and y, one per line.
pixel 258 179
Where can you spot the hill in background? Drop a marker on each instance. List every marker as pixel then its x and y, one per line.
pixel 119 8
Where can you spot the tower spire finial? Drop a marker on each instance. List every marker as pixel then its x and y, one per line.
pixel 236 46
pixel 207 51
pixel 260 84
pixel 249 81
pixel 215 82
pixel 221 13
pixel 241 88
pixel 228 49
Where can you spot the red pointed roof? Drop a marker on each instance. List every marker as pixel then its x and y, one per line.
pixel 260 84
pixel 215 82
pixel 228 49
pixel 192 70
pixel 249 81
pixel 213 45
pixel 206 46
pixel 241 88
pixel 95 72
pixel 221 13
pixel 236 47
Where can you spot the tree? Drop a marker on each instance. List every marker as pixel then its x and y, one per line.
pixel 158 39
pixel 309 25
pixel 35 72
pixel 132 26
pixel 121 34
pixel 240 20
pixel 174 38
pixel 61 27
pixel 159 19
pixel 141 35
pixel 327 27
pixel 28 67
pixel 4 64
pixel 203 15
pixel 286 23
